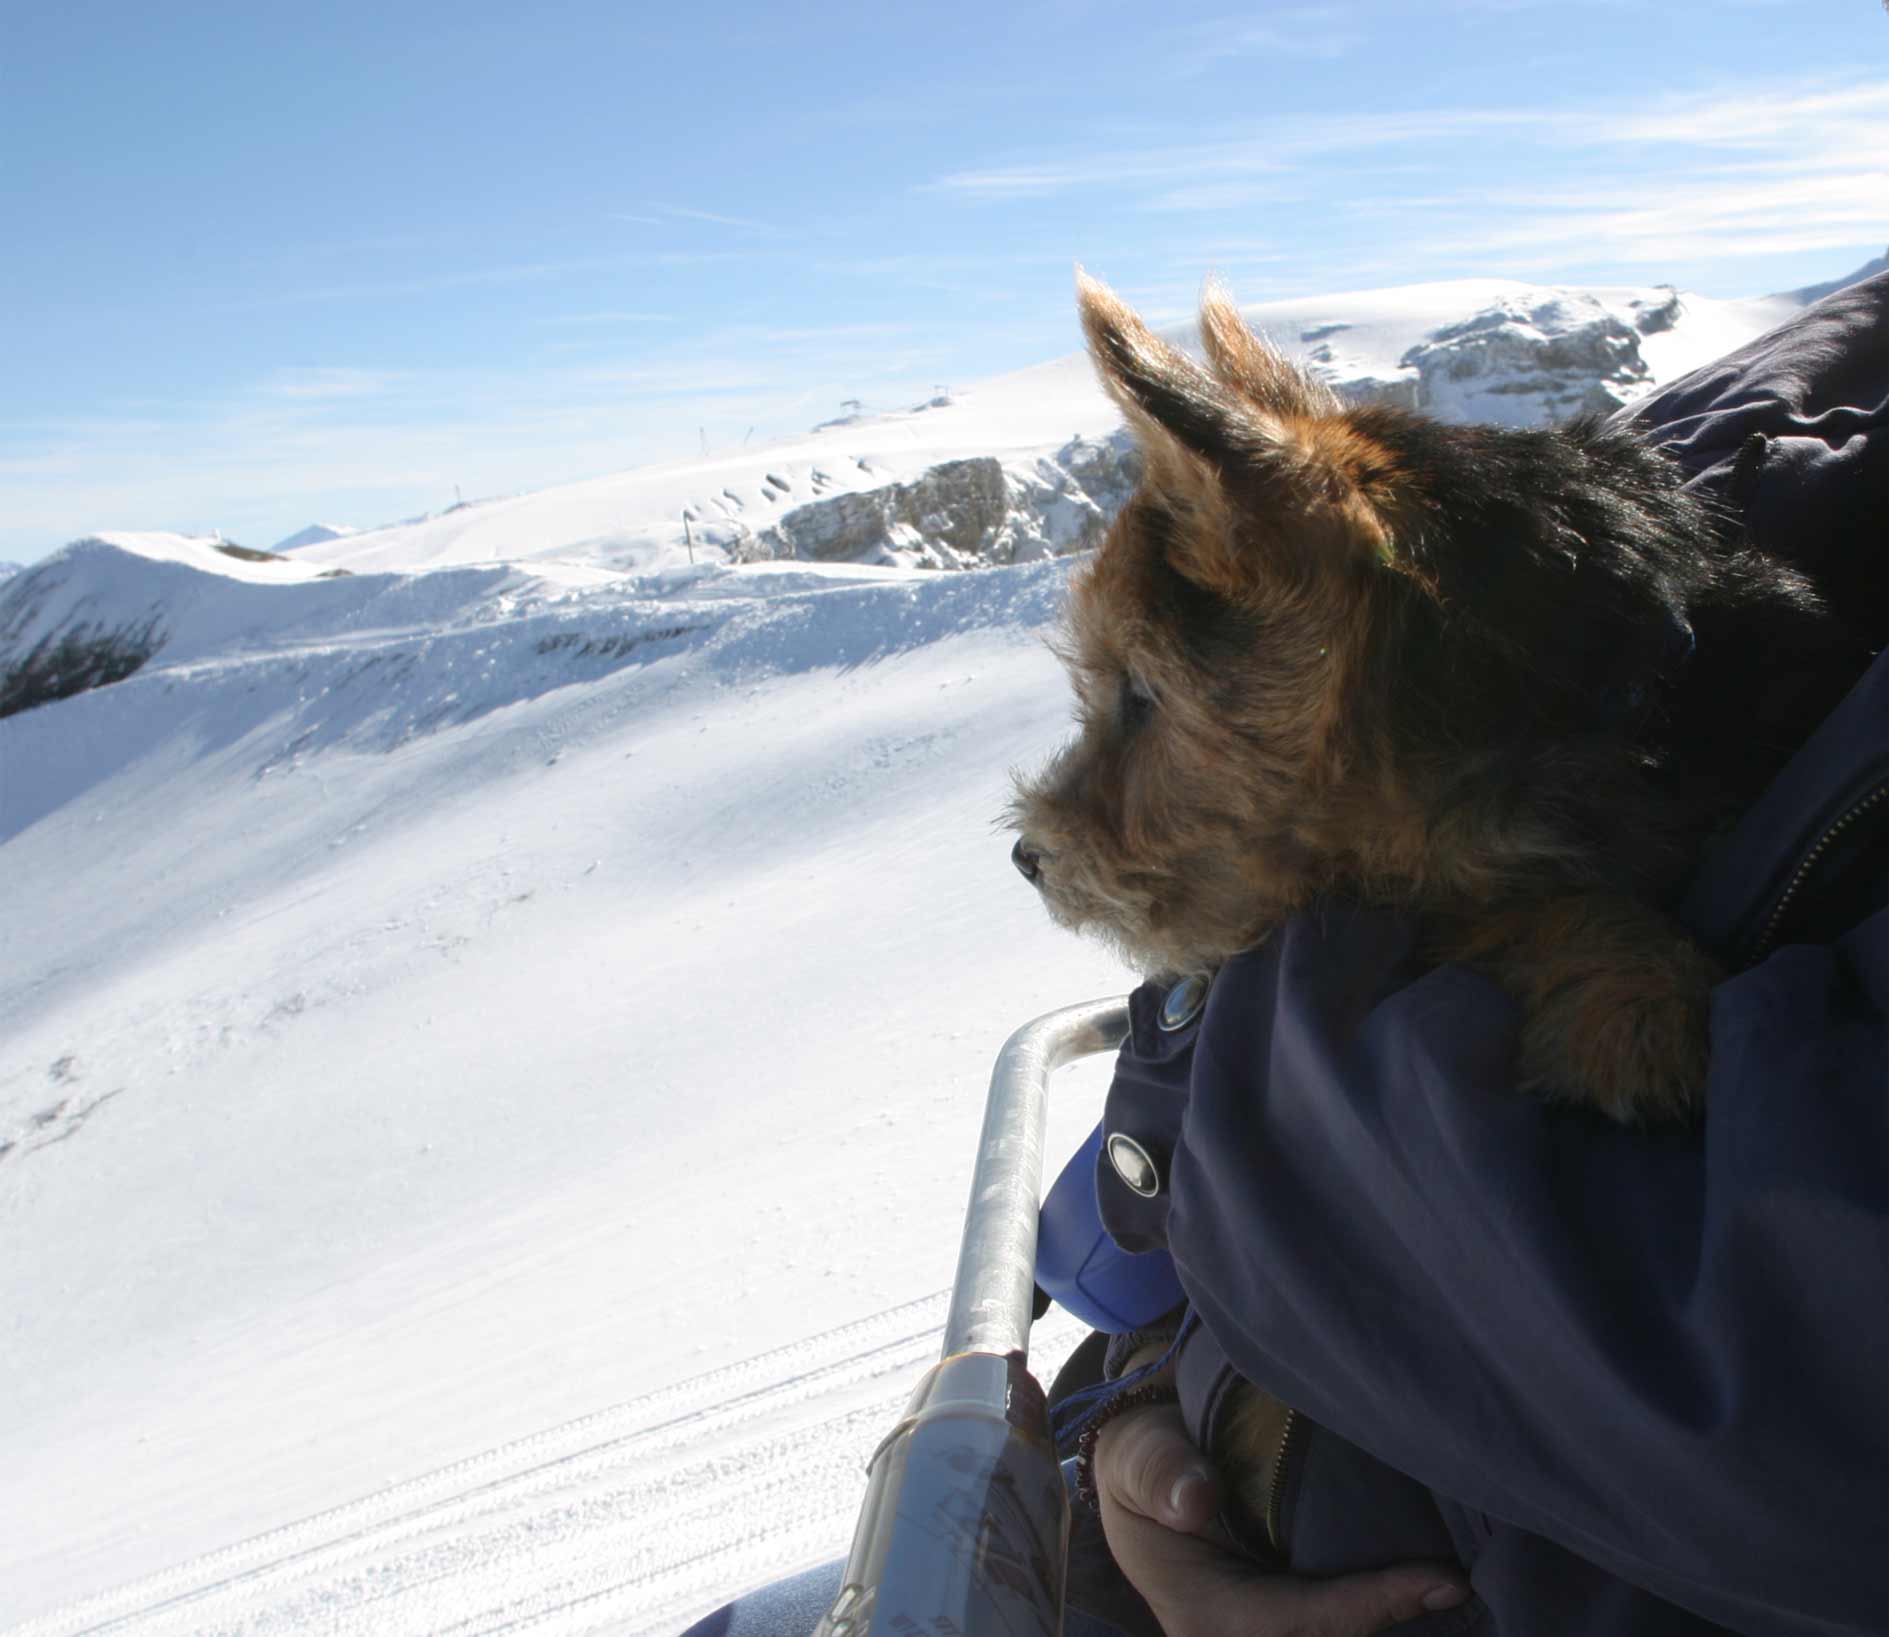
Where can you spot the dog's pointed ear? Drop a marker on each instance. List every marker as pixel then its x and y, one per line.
pixel 1252 369
pixel 1261 477
pixel 1165 394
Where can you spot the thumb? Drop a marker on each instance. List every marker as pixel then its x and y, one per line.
pixel 1354 1605
pixel 1146 1463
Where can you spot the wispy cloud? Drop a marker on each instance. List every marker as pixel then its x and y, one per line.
pixel 661 215
pixel 322 384
pixel 1275 148
pixel 502 274
pixel 1827 119
pixel 1756 173
pixel 588 320
pixel 1832 125
pixel 719 220
pixel 1324 33
pixel 821 334
pixel 1219 197
pixel 1738 171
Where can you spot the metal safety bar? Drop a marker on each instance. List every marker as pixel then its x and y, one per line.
pixel 965 1524
pixel 991 1296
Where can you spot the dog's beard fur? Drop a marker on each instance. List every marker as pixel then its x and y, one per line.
pixel 1361 652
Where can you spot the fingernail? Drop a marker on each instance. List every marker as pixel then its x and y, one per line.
pixel 1445 1597
pixel 1192 1479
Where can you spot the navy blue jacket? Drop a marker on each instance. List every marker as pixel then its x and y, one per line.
pixel 1637 1382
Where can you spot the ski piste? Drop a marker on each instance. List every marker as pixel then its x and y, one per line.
pixel 636 1519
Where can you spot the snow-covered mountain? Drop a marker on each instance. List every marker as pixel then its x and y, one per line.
pixel 1816 292
pixel 316 534
pixel 1021 466
pixel 1027 466
pixel 498 1012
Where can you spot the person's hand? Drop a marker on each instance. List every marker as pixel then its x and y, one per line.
pixel 1159 1499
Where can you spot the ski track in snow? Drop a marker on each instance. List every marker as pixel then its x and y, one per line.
pixel 635 1520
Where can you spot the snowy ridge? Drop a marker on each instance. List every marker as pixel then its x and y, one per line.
pixel 1027 466
pixel 1495 349
pixel 373 660
pixel 992 475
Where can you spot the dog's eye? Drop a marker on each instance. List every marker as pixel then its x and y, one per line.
pixel 1137 700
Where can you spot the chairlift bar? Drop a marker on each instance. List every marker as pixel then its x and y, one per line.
pixel 991 1297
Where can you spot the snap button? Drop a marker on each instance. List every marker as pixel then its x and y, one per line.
pixel 1183 1003
pixel 1133 1164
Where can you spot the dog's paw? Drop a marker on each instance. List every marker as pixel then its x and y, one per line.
pixel 1629 1039
pixel 1616 1001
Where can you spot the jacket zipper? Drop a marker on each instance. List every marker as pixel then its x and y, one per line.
pixel 1809 862
pixel 1275 1495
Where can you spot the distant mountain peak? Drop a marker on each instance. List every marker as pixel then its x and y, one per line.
pixel 314 535
pixel 1869 269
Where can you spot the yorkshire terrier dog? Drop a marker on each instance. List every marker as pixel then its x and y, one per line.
pixel 1356 651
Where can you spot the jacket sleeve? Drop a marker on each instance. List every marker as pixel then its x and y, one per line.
pixel 1667 1351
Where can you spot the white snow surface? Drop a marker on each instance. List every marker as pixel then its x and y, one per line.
pixel 491 1043
pixel 444 1006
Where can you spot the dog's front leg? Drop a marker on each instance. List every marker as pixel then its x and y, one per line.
pixel 1615 1000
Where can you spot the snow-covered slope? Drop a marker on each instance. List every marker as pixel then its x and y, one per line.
pixel 456 1003
pixel 495 1015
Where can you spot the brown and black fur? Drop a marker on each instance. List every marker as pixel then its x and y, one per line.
pixel 1355 651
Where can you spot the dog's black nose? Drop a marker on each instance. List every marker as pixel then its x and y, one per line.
pixel 1027 859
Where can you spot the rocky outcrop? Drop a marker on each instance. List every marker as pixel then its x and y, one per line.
pixel 1525 361
pixel 1519 362
pixel 1531 359
pixel 1083 485
pixel 1530 364
pixel 963 513
pixel 1655 317
pixel 944 518
pixel 41 660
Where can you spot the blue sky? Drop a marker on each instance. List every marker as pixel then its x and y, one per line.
pixel 267 264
